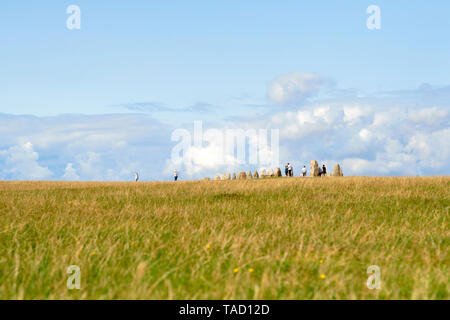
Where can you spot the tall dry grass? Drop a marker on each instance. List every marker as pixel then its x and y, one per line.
pixel 285 238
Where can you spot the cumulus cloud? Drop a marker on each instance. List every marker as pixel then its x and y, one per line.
pixel 78 147
pixel 368 140
pixel 22 162
pixel 293 88
pixel 70 173
pixel 429 116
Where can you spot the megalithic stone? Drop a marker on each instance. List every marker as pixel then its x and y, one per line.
pixel 228 176
pixel 270 173
pixel 242 175
pixel 234 176
pixel 314 170
pixel 263 173
pixel 337 171
pixel 278 174
pixel 249 175
pixel 255 175
pixel 217 177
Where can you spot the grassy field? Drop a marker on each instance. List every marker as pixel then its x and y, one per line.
pixel 282 238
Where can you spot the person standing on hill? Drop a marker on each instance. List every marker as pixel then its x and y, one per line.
pixel 136 177
pixel 290 170
pixel 304 171
pixel 324 171
pixel 175 175
pixel 286 169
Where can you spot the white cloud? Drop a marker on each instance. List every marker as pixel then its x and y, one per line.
pixel 366 139
pixel 97 147
pixel 429 116
pixel 70 173
pixel 294 88
pixel 353 114
pixel 432 149
pixel 365 135
pixel 21 162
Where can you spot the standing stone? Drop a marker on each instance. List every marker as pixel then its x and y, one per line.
pixel 314 170
pixel 217 177
pixel 223 176
pixel 228 176
pixel 242 175
pixel 249 175
pixel 206 179
pixel 270 173
pixel 278 174
pixel 255 175
pixel 337 172
pixel 263 173
pixel 234 176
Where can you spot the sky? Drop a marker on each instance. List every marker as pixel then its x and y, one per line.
pixel 102 102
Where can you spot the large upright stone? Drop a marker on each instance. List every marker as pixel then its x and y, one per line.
pixel 255 175
pixel 223 176
pixel 337 171
pixel 314 170
pixel 278 173
pixel 234 176
pixel 217 178
pixel 270 173
pixel 263 173
pixel 249 175
pixel 242 175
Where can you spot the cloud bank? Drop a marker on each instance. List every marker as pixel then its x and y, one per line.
pixel 388 133
pixel 294 88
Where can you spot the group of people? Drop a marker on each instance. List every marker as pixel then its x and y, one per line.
pixel 289 170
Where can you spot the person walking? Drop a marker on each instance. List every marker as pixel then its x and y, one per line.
pixel 304 171
pixel 324 171
pixel 136 177
pixel 175 175
pixel 290 170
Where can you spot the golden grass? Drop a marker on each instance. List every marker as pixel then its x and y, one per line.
pixel 283 238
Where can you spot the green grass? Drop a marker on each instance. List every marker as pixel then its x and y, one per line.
pixel 184 240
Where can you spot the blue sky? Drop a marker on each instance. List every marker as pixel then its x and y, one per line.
pixel 216 61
